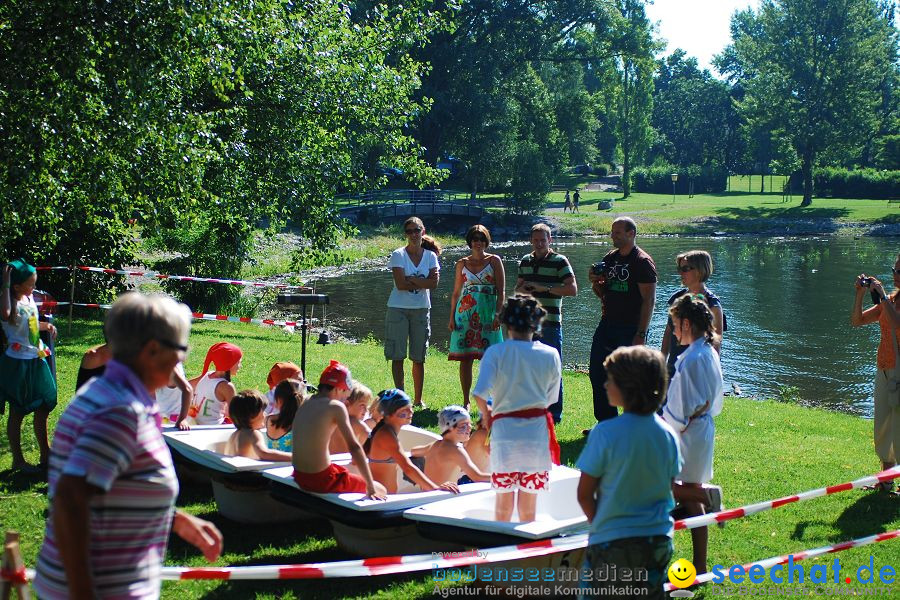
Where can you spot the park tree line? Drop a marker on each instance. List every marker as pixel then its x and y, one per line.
pixel 200 120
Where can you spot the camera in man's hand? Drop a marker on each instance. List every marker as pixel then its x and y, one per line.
pixel 599 268
pixel 866 281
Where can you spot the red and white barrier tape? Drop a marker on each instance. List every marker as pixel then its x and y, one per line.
pixel 200 316
pixel 783 559
pixel 750 509
pixel 424 562
pixel 157 275
pixel 389 565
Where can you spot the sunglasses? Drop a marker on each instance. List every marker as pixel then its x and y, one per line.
pixel 412 231
pixel 173 345
pixel 685 268
pixel 406 413
pixel 895 271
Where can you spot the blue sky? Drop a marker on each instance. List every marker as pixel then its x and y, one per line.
pixel 699 27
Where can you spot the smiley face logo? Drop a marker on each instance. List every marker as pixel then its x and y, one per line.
pixel 682 573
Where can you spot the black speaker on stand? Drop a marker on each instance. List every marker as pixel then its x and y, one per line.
pixel 289 300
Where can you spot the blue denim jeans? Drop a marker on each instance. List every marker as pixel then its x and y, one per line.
pixel 552 336
pixel 607 338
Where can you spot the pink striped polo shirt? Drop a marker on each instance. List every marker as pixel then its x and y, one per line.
pixel 110 435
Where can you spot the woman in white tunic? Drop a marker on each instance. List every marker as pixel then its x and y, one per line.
pixel 522 376
pixel 694 398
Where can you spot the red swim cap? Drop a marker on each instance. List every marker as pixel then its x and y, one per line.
pixel 224 355
pixel 337 376
pixel 281 371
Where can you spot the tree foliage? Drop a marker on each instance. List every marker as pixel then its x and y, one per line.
pixel 813 69
pixel 200 116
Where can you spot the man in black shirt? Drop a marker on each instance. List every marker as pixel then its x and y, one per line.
pixel 625 283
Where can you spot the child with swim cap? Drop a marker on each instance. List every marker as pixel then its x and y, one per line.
pixel 213 390
pixel 316 420
pixel 447 458
pixel 383 447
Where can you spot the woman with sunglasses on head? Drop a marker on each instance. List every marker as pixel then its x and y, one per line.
pixel 694 267
pixel 887 375
pixel 416 271
pixel 475 305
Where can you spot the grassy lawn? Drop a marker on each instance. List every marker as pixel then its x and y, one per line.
pixel 731 212
pixel 764 450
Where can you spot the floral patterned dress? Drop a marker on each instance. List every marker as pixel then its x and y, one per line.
pixel 474 316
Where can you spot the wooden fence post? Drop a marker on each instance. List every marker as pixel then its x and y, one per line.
pixel 12 567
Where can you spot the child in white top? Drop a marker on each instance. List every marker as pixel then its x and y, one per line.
pixel 214 390
pixel 175 400
pixel 523 377
pixel 694 398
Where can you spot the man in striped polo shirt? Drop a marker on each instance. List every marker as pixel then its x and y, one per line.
pixel 547 276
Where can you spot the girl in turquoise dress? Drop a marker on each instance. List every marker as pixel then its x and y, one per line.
pixel 479 291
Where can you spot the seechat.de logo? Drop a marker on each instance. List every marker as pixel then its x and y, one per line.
pixel 682 574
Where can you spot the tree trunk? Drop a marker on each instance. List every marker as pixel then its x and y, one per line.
pixel 626 175
pixel 807 177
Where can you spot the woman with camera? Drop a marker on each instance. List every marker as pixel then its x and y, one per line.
pixel 886 313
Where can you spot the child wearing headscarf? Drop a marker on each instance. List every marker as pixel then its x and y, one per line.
pixel 214 390
pixel 522 376
pixel 26 382
pixel 279 372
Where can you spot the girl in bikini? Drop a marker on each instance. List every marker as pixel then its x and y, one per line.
pixel 384 450
pixel 478 295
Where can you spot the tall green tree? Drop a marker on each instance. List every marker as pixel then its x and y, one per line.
pixel 693 114
pixel 814 69
pixel 199 118
pixel 630 73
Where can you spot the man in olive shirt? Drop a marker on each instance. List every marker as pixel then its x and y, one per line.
pixel 625 283
pixel 547 276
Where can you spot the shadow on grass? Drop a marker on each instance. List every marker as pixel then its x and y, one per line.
pixel 17 482
pixel 426 418
pixel 865 516
pixel 570 450
pixel 786 212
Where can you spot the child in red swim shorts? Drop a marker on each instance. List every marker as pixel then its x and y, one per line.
pixel 316 420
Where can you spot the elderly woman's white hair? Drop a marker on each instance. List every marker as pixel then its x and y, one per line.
pixel 136 318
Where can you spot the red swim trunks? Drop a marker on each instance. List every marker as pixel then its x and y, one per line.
pixel 517 480
pixel 334 479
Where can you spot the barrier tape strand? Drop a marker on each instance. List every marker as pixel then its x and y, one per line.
pixel 783 559
pixel 157 275
pixel 200 316
pixel 751 509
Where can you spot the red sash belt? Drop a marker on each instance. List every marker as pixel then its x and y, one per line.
pixel 532 413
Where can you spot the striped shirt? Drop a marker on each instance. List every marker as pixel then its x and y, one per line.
pixel 552 271
pixel 110 435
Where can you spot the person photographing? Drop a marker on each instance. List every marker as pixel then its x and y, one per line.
pixel 887 374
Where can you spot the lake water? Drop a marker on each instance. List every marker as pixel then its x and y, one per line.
pixel 787 301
